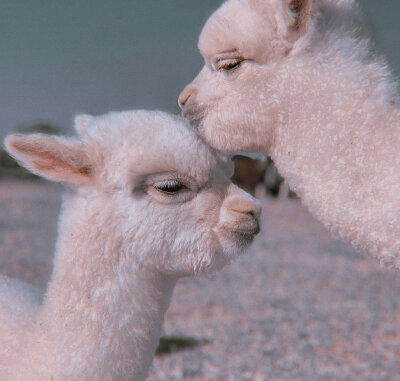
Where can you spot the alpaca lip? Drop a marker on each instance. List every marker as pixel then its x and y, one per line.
pixel 194 114
pixel 248 232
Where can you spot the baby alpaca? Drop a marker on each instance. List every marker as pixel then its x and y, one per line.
pixel 297 79
pixel 149 203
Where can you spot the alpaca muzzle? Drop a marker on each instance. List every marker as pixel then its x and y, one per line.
pixel 250 228
pixel 240 214
pixel 194 113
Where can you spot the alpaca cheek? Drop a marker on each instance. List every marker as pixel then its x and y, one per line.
pixel 231 128
pixel 215 131
pixel 211 86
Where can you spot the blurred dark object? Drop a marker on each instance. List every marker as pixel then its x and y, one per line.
pixel 43 128
pixel 9 166
pixel 7 161
pixel 249 172
pixel 172 344
pixel 272 179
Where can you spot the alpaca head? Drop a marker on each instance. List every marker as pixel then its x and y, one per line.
pixel 245 43
pixel 158 194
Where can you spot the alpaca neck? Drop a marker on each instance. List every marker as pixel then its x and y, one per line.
pixel 336 112
pixel 103 312
pixel 331 102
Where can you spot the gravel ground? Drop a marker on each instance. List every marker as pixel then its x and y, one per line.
pixel 297 306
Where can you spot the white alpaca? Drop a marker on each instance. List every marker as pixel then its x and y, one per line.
pixel 297 79
pixel 150 203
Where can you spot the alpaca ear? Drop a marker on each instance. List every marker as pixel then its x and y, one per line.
pixel 57 159
pixel 82 122
pixel 301 12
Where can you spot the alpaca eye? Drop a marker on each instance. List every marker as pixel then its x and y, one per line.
pixel 229 64
pixel 169 186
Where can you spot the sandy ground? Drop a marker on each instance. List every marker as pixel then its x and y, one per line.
pixel 297 306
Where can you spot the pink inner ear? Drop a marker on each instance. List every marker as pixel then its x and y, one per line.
pixel 52 158
pixel 45 162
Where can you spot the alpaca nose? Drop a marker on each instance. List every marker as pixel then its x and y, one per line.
pixel 245 205
pixel 242 211
pixel 185 95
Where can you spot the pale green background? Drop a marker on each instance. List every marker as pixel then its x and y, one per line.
pixel 59 58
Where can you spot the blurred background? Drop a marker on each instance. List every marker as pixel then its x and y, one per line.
pixel 60 58
pixel 299 305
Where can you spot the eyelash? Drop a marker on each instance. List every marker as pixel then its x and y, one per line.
pixel 170 186
pixel 230 65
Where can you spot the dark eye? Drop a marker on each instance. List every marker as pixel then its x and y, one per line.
pixel 229 64
pixel 169 186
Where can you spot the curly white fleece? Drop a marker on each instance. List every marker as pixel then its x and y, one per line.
pixel 306 87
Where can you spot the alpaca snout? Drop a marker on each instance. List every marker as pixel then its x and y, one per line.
pixel 246 220
pixel 249 227
pixel 186 96
pixel 243 203
pixel 192 110
pixel 240 213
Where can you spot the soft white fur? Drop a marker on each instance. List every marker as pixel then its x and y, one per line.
pixel 123 243
pixel 299 80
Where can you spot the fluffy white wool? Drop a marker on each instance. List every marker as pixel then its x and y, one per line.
pixel 299 80
pixel 148 203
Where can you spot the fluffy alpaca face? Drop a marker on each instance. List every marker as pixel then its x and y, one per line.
pixel 159 194
pixel 244 44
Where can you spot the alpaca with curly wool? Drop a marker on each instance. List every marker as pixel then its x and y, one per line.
pixel 298 80
pixel 148 203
